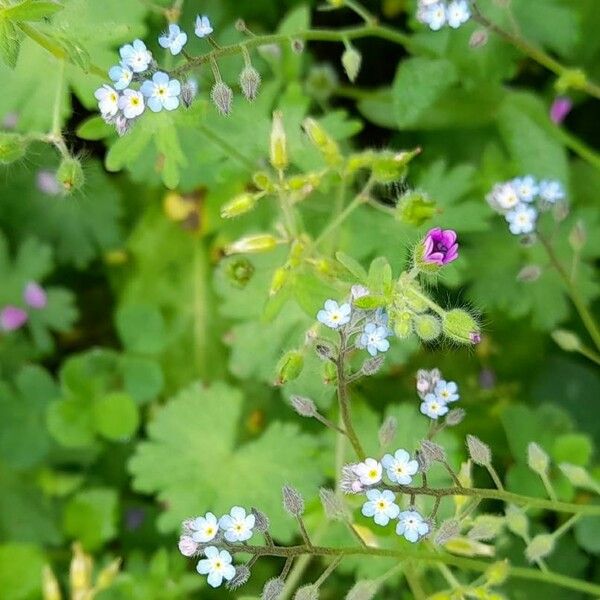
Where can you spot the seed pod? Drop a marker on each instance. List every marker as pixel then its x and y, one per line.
pixel 292 501
pixel 239 205
pixel 351 61
pixel 279 155
pixel 242 574
pixel 537 459
pixel 12 147
pixel 432 451
pixel 460 326
pixel 372 365
pixel 261 521
pixel 540 546
pixel 427 327
pixel 250 82
pixel 262 242
pixel 188 92
pixel 273 589
pixel 307 592
pixel 289 367
pixel 479 452
pixel 222 96
pixel 455 416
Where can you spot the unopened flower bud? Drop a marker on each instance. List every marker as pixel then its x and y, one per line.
pixel 486 528
pixel 479 452
pixel 50 587
pixel 281 276
pixel 433 452
pixel 279 154
pixel 497 573
pixel 261 521
pixel 250 82
pixel 242 574
pixel 540 546
pixel 324 351
pixel 305 407
pixel 240 25
pixel 80 572
pixel 107 574
pixel 263 181
pixel 222 96
pixel 461 327
pixel 351 61
pixel 455 416
pixel 70 174
pixel 423 461
pixel 322 141
pixel 307 592
pixel 363 590
pixel 188 92
pixel 239 205
pixel 387 431
pixel 578 236
pixel 349 481
pixel 292 501
pixel 332 505
pixel 427 380
pixel 479 38
pixel 122 125
pixel 13 146
pixel 529 273
pixel 273 589
pixel 427 327
pixel 566 340
pixel 448 529
pixel 289 367
pixel 403 324
pixel 516 521
pixel 537 459
pixel 372 365
pixel 262 242
pixel 466 547
pixel 415 208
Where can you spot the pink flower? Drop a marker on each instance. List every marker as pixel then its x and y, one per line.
pixel 12 318
pixel 560 108
pixel 440 246
pixel 35 296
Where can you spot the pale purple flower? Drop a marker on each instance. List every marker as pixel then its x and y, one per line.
pixel 12 318
pixel 560 108
pixel 187 546
pixel 440 246
pixel 35 296
pixel 47 183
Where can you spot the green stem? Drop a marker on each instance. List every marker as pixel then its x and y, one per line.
pixel 589 354
pixel 361 11
pixel 494 475
pixel 578 147
pixel 584 313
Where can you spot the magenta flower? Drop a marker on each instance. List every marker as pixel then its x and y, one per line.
pixel 560 108
pixel 35 296
pixel 12 317
pixel 440 246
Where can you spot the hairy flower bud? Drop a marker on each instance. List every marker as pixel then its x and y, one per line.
pixel 273 589
pixel 279 154
pixel 479 38
pixel 448 529
pixel 540 546
pixel 479 452
pixel 363 590
pixel 70 174
pixel 423 460
pixel 292 501
pixel 122 125
pixel 566 340
pixel 332 504
pixel 372 365
pixel 529 273
pixel 427 380
pixel 307 592
pixel 250 82
pixel 13 146
pixel 262 242
pixel 242 574
pixel 222 96
pixel 322 141
pixel 261 521
pixel 239 205
pixel 461 327
pixel 324 351
pixel 455 416
pixel 387 431
pixel 432 451
pixel 516 521
pixel 351 61
pixel 403 324
pixel 305 407
pixel 485 528
pixel 350 482
pixel 427 327
pixel 188 92
pixel 289 367
pixel 537 459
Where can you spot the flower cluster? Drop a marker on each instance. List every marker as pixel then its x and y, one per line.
pixel 436 393
pixel 235 527
pixel 370 326
pixel 120 103
pixel 13 317
pixel 521 200
pixel 437 13
pixel 381 504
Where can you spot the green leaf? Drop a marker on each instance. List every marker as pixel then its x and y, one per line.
pixel 91 517
pixel 30 10
pixel 143 378
pixel 94 128
pixel 573 448
pixel 10 43
pixel 352 265
pixel 419 82
pixel 20 571
pixel 587 534
pixel 116 416
pixel 141 328
pixel 191 462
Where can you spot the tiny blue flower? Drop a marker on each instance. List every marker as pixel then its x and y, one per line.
pixel 457 13
pixel 203 26
pixel 433 407
pixel 121 76
pixel 400 468
pixel 411 525
pixel 237 525
pixel 136 56
pixel 526 188
pixel 217 565
pixel 433 15
pixel 334 315
pixel 552 191
pixel 374 339
pixel 174 39
pixel 161 92
pixel 380 506
pixel 446 391
pixel 521 219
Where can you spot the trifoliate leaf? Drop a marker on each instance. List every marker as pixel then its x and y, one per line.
pixel 141 328
pixel 116 416
pixel 191 463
